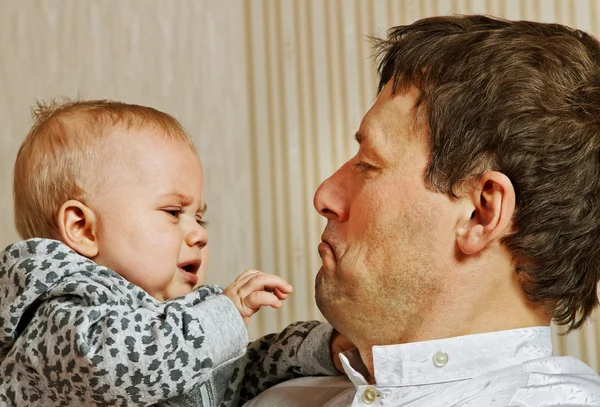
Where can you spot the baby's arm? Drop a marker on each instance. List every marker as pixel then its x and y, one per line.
pixel 301 349
pixel 96 339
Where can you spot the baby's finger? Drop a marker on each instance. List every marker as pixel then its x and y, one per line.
pixel 242 280
pixel 258 299
pixel 279 294
pixel 265 282
pixel 246 275
pixel 286 288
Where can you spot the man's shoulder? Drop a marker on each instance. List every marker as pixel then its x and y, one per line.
pixel 560 380
pixel 560 366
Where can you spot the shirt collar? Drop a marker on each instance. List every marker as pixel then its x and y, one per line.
pixel 445 360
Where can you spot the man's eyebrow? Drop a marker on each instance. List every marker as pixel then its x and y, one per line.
pixel 359 137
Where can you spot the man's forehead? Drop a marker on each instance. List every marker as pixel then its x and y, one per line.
pixel 391 117
pixel 396 105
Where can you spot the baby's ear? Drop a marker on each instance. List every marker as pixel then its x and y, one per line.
pixel 492 205
pixel 77 226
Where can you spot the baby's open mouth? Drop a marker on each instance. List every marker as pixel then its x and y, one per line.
pixel 190 271
pixel 190 267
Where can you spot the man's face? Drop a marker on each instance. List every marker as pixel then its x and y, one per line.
pixel 388 235
pixel 149 220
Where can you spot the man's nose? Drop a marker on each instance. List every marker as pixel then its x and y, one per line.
pixel 195 234
pixel 331 200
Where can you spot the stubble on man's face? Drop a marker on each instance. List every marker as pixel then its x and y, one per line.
pixel 379 301
pixel 387 228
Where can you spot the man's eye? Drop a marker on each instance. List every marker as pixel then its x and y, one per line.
pixel 363 167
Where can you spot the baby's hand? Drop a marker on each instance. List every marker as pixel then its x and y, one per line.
pixel 339 344
pixel 254 289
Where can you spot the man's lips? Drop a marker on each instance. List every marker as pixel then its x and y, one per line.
pixel 325 249
pixel 328 257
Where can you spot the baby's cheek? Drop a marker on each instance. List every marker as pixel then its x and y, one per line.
pixel 203 266
pixel 201 277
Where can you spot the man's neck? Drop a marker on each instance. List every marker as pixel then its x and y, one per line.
pixel 472 309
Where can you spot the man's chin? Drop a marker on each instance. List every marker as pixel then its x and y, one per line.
pixel 319 286
pixel 328 266
pixel 323 294
pixel 322 305
pixel 323 280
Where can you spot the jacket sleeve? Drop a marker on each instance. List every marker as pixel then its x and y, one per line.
pixel 95 339
pixel 301 349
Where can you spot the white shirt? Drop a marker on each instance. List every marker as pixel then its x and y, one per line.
pixel 506 368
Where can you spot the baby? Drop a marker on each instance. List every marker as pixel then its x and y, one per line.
pixel 104 303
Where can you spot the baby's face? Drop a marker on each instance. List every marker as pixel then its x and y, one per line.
pixel 150 227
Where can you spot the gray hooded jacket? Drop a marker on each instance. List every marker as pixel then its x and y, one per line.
pixel 73 332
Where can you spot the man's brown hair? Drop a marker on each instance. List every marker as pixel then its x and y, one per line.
pixel 522 98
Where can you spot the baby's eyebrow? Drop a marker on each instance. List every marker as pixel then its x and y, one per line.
pixel 203 209
pixel 184 198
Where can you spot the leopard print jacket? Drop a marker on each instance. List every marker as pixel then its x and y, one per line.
pixel 73 333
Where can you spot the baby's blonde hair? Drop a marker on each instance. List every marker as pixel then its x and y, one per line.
pixel 54 163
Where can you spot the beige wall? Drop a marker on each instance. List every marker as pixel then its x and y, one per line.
pixel 271 90
pixel 183 57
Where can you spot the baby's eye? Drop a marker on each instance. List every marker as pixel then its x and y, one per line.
pixel 201 222
pixel 175 212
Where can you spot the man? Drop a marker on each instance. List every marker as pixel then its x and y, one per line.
pixel 466 222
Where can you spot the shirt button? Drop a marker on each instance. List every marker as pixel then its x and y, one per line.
pixel 440 359
pixel 369 395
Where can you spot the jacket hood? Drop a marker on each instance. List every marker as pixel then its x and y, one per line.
pixel 29 272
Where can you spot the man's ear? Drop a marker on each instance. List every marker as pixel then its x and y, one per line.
pixel 77 225
pixel 492 200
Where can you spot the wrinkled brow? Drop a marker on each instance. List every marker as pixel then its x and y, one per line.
pixel 184 198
